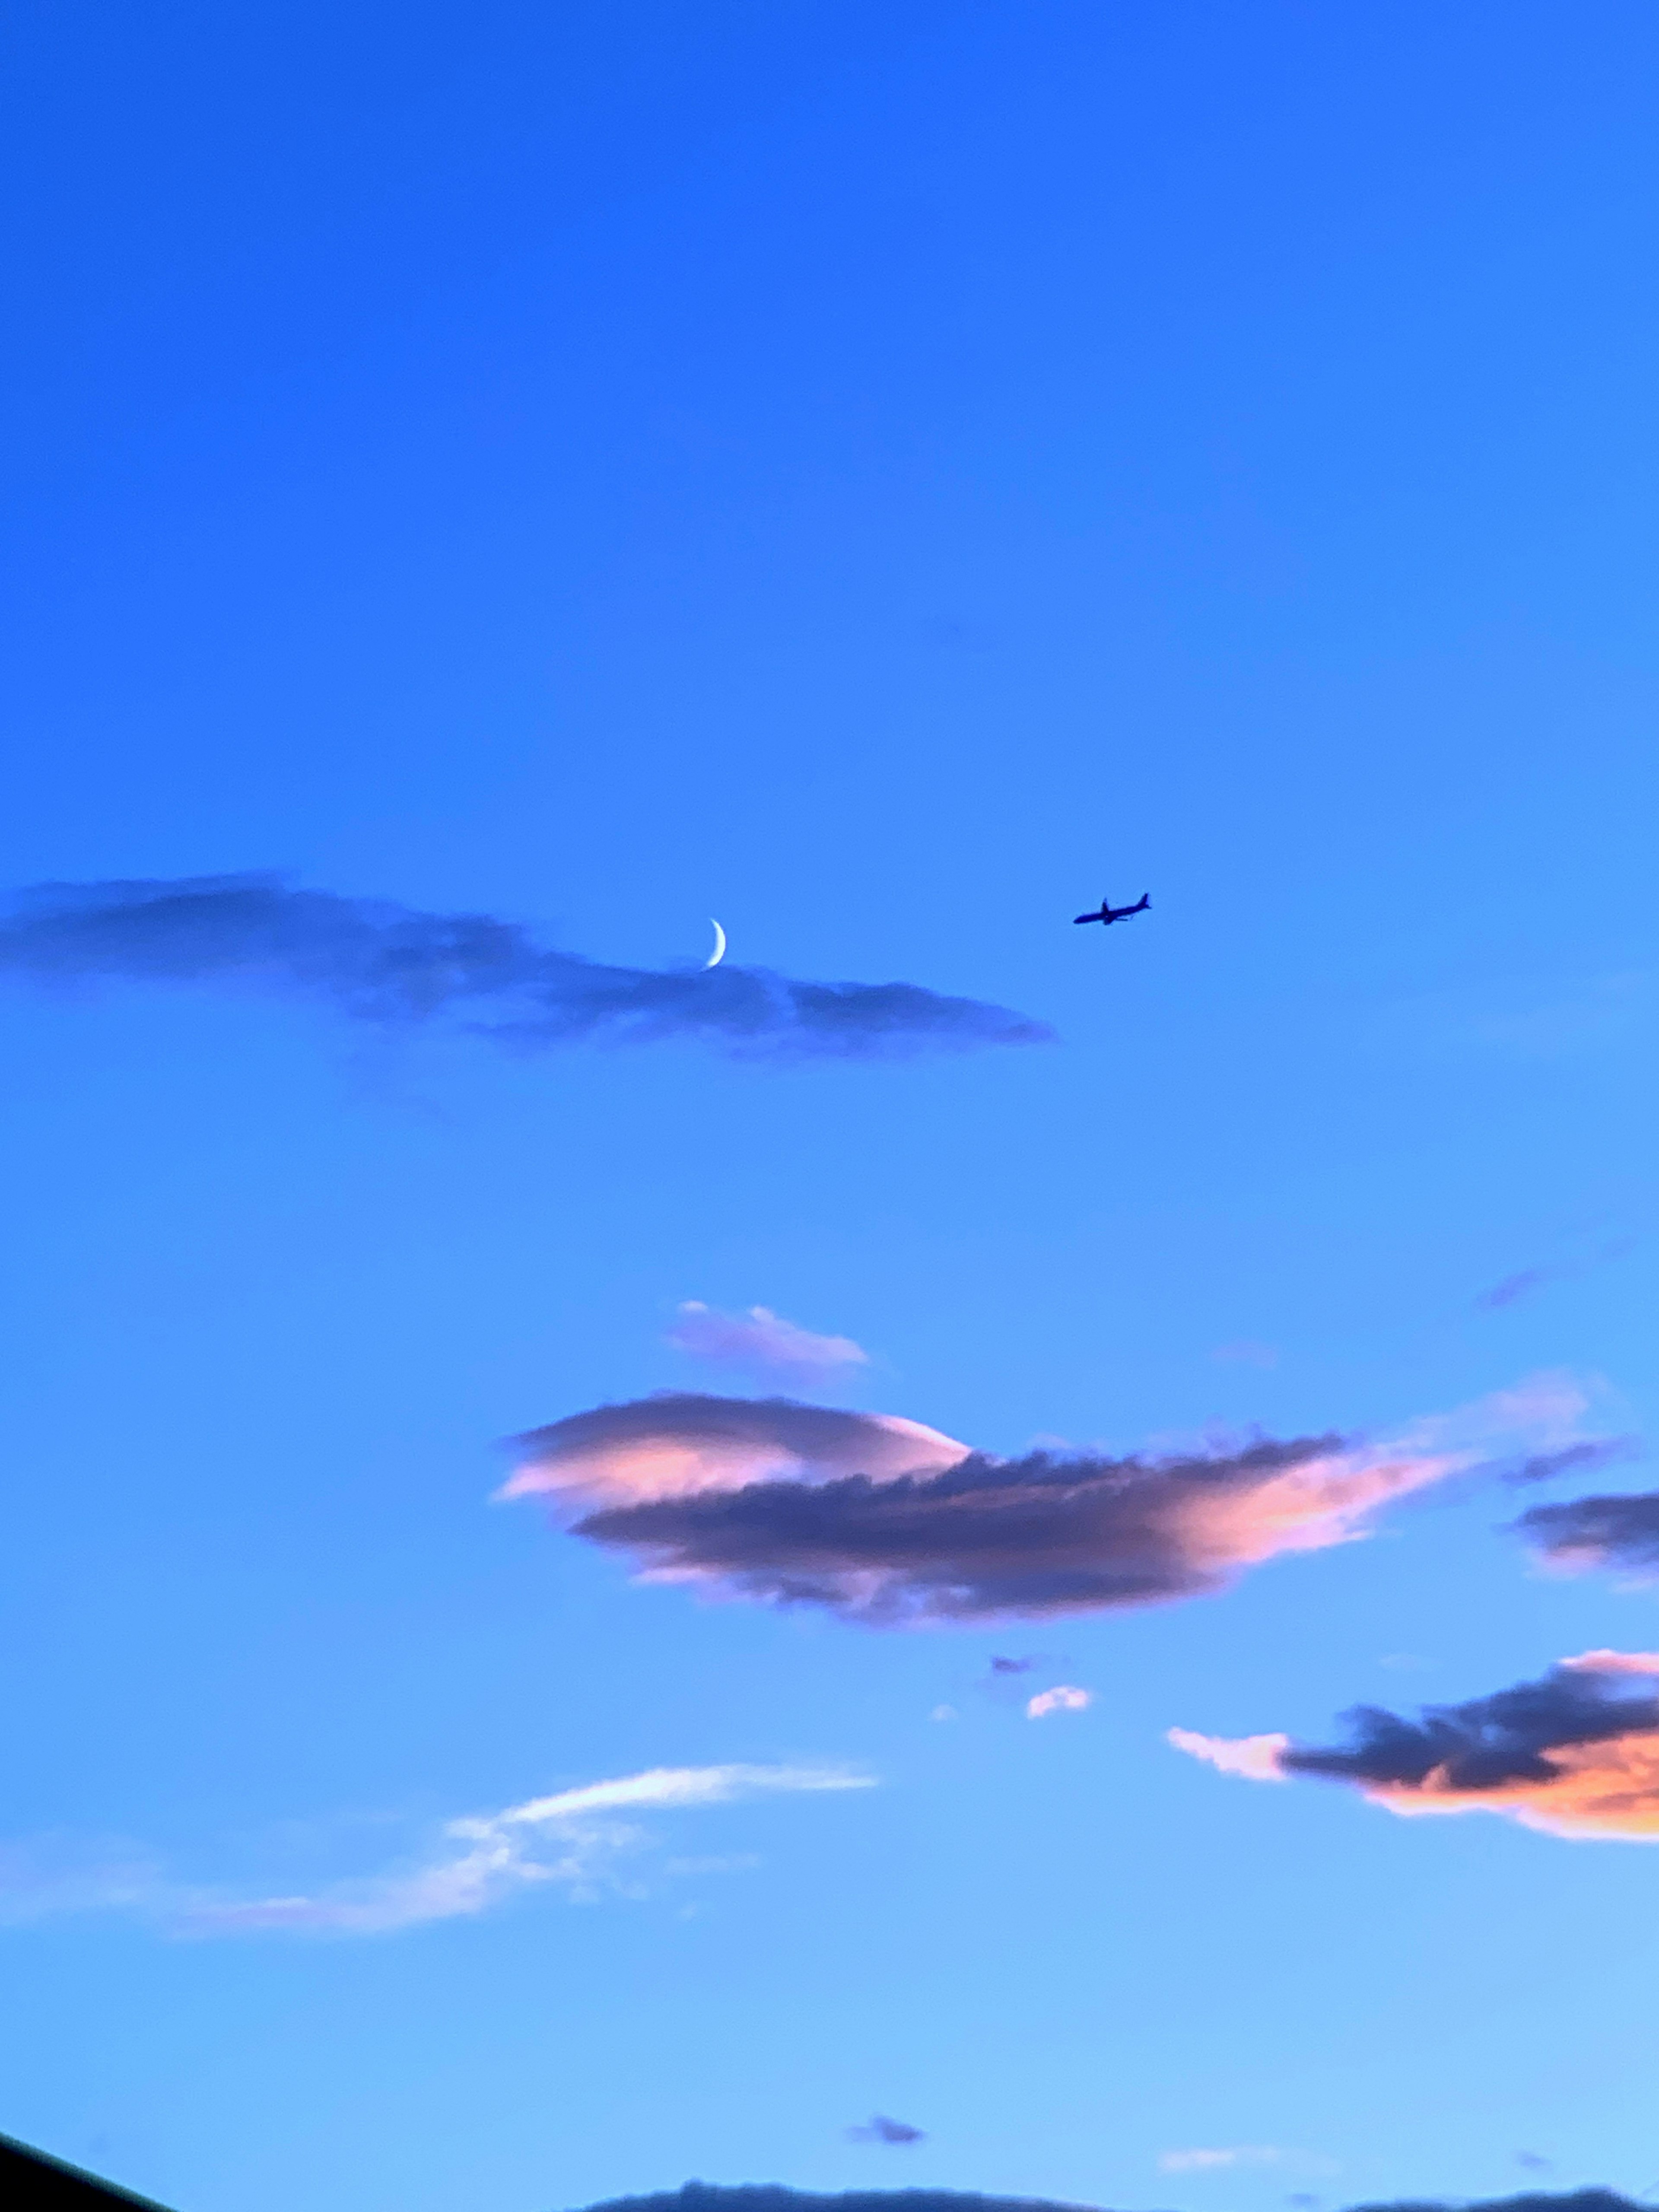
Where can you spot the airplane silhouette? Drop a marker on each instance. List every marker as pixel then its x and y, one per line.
pixel 1109 914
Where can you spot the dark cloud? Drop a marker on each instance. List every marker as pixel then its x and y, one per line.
pixel 1574 1752
pixel 1518 1286
pixel 375 962
pixel 999 1666
pixel 1611 1531
pixel 986 1538
pixel 1587 1456
pixel 886 1522
pixel 882 2130
pixel 1486 1743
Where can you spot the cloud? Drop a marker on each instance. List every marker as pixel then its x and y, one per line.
pixel 678 1444
pixel 1245 1351
pixel 882 2130
pixel 762 1339
pixel 1574 1753
pixel 1611 1531
pixel 1526 1281
pixel 1518 1286
pixel 376 962
pixel 575 1839
pixel 884 1520
pixel 1064 1697
pixel 1589 1456
pixel 1205 2161
pixel 1000 1666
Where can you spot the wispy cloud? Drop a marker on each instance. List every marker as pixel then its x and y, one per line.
pixel 376 962
pixel 1611 1531
pixel 1574 1753
pixel 1523 1019
pixel 887 1522
pixel 1064 1697
pixel 1209 2162
pixel 1245 1351
pixel 1587 1456
pixel 579 1840
pixel 1525 1280
pixel 763 1342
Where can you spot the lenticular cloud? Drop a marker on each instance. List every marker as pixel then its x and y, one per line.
pixel 1574 1753
pixel 375 962
pixel 885 1521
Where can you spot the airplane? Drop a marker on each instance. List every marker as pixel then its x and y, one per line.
pixel 1109 914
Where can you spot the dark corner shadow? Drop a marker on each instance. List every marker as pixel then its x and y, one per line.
pixel 29 2178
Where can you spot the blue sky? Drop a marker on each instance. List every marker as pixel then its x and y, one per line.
pixel 880 477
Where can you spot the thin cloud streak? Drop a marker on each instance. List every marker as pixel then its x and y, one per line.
pixel 761 1341
pixel 1575 1754
pixel 373 961
pixel 888 1523
pixel 1587 1456
pixel 1210 2161
pixel 577 1840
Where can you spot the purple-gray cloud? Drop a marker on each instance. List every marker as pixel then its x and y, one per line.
pixel 1587 1456
pixel 376 962
pixel 882 2130
pixel 1611 1531
pixel 761 1341
pixel 889 1522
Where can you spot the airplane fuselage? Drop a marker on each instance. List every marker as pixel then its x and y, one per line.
pixel 1109 914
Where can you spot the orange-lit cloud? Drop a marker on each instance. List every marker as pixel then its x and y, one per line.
pixel 886 1520
pixel 1575 1754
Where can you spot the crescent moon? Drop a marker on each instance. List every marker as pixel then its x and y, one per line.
pixel 718 953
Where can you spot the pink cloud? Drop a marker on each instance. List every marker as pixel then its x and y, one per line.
pixel 1064 1697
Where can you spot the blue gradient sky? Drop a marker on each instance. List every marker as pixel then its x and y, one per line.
pixel 881 475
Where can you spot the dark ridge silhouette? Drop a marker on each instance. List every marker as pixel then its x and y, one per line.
pixel 28 2178
pixel 764 2197
pixel 1531 2200
pixel 772 2196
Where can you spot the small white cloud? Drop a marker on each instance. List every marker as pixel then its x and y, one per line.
pixel 943 1713
pixel 762 1339
pixel 1205 2161
pixel 1064 1697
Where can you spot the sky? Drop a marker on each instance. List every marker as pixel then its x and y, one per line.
pixel 830 1570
